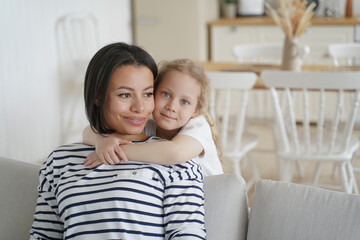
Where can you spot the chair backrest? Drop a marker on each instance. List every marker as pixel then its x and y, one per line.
pixel 330 87
pixel 228 88
pixel 77 37
pixel 266 53
pixel 345 53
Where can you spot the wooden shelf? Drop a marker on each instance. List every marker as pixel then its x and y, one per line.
pixel 268 21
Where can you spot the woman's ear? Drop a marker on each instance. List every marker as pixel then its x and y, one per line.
pixel 97 101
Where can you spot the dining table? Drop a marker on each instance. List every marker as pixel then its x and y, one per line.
pixel 258 68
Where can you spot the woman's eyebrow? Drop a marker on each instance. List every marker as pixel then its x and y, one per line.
pixel 132 89
pixel 149 87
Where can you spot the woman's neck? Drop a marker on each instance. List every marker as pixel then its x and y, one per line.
pixel 166 134
pixel 138 137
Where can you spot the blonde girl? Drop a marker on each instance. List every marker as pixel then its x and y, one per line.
pixel 180 115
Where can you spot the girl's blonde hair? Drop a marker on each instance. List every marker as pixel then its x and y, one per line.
pixel 196 71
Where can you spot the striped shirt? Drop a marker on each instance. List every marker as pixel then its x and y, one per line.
pixel 131 200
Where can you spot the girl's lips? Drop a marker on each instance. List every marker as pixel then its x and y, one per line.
pixel 167 117
pixel 136 121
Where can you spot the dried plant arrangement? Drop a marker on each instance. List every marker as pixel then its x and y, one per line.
pixel 293 16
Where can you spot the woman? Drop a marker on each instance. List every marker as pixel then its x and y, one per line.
pixel 132 200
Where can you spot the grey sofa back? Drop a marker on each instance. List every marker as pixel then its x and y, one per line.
pixel 284 211
pixel 226 207
pixel 18 194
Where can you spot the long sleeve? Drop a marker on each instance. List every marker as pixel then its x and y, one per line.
pixel 184 207
pixel 47 223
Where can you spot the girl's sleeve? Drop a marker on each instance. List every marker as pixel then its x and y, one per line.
pixel 199 129
pixel 47 223
pixel 184 216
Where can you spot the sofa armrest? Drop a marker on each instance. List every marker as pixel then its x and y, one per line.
pixel 226 207
pixel 18 194
pixel 285 211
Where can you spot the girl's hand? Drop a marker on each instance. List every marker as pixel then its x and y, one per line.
pixel 109 151
pixel 92 160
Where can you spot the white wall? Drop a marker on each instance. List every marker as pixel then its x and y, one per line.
pixel 30 96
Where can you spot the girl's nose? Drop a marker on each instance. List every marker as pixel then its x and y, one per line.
pixel 171 106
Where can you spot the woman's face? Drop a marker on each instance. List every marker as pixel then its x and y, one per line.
pixel 129 100
pixel 176 100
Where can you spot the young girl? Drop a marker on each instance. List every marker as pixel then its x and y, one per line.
pixel 181 96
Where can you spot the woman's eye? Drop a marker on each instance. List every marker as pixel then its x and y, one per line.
pixel 124 95
pixel 149 94
pixel 184 102
pixel 165 94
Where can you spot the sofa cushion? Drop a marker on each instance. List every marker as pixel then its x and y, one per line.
pixel 18 194
pixel 285 211
pixel 226 207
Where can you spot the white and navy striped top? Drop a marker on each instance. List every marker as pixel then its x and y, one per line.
pixel 131 200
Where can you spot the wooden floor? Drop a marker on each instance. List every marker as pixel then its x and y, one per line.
pixel 267 165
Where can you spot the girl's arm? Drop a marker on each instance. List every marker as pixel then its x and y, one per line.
pixel 108 151
pixel 107 147
pixel 179 150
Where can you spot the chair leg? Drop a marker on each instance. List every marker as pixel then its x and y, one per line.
pixel 346 182
pixel 353 186
pixel 299 169
pixel 255 173
pixel 316 174
pixel 287 171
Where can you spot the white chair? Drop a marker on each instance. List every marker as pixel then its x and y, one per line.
pixel 335 144
pixel 235 143
pixel 77 38
pixel 260 107
pixel 345 53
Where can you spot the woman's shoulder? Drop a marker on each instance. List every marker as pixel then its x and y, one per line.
pixel 68 153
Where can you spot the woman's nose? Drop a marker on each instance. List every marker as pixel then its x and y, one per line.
pixel 137 105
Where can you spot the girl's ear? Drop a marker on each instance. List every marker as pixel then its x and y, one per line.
pixel 195 113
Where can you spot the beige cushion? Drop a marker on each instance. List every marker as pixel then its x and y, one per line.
pixel 284 211
pixel 18 194
pixel 226 207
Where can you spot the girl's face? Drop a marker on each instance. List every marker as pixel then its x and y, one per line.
pixel 129 100
pixel 176 100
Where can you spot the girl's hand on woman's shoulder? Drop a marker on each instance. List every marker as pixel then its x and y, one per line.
pixel 108 151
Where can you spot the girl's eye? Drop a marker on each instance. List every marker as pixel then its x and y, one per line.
pixel 184 102
pixel 124 95
pixel 165 94
pixel 149 94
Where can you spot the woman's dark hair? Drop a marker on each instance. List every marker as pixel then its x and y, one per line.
pixel 99 72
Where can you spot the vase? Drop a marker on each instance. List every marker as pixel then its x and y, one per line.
pixel 292 58
pixel 229 10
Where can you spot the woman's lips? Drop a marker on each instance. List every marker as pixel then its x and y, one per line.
pixel 136 121
pixel 167 116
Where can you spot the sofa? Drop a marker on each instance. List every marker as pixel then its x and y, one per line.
pixel 279 210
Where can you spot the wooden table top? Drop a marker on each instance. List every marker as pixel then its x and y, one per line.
pixel 257 68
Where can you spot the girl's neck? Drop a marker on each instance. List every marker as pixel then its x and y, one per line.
pixel 166 134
